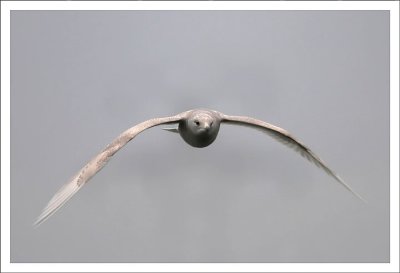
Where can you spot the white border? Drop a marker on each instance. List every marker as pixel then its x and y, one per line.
pixel 393 266
pixel 199 5
pixel 394 135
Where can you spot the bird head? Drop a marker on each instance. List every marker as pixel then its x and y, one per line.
pixel 201 123
pixel 200 128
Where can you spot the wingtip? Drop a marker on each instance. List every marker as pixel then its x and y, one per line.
pixel 39 220
pixel 360 197
pixel 37 223
pixel 350 189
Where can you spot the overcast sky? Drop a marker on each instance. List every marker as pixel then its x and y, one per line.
pixel 79 78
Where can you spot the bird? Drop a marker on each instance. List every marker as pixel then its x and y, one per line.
pixel 198 128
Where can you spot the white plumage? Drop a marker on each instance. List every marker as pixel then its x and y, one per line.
pixel 199 128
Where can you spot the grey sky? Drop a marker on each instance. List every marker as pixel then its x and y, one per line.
pixel 80 78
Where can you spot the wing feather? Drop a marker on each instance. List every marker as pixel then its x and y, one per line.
pixel 97 163
pixel 287 139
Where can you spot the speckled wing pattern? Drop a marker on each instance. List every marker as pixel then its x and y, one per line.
pixel 97 163
pixel 285 138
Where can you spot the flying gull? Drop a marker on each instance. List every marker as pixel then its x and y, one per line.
pixel 199 128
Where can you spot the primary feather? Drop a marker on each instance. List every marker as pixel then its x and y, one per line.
pixel 285 138
pixel 96 164
pixel 198 128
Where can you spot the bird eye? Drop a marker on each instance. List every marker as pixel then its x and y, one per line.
pixel 197 122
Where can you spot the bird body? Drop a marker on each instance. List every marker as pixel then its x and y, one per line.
pixel 198 128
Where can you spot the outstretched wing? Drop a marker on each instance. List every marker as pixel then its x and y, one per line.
pixel 97 163
pixel 284 137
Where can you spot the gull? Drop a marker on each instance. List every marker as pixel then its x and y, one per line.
pixel 198 128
